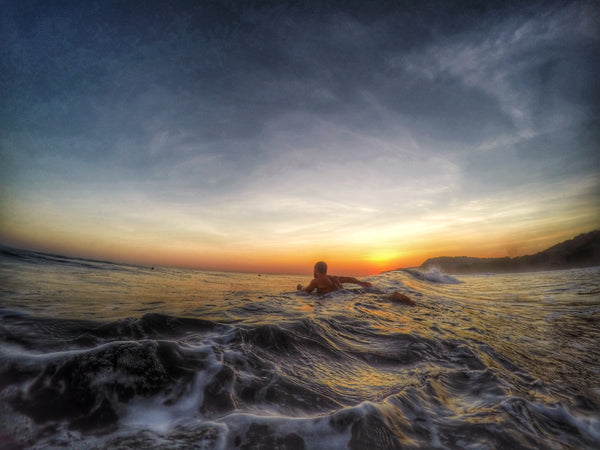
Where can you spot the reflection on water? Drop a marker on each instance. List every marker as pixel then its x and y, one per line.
pixel 169 358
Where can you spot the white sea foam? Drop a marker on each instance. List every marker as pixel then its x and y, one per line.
pixel 488 362
pixel 436 276
pixel 160 413
pixel 433 275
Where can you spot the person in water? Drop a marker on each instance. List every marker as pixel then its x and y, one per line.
pixel 324 283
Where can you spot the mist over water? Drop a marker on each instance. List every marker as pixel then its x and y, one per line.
pixel 101 355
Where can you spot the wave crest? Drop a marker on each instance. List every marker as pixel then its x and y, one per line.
pixel 433 275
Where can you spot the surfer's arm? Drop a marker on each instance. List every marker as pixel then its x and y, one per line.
pixel 354 281
pixel 311 287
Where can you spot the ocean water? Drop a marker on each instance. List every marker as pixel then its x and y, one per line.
pixel 101 355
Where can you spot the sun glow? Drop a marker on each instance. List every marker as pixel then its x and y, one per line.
pixel 384 256
pixel 385 259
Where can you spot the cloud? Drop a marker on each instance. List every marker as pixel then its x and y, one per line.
pixel 285 121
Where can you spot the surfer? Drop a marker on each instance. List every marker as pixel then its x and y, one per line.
pixel 324 283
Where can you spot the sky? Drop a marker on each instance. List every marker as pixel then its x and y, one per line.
pixel 264 136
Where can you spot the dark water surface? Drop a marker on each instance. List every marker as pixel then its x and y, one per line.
pixel 101 355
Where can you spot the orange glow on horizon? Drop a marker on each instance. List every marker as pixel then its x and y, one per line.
pixel 294 261
pixel 343 259
pixel 264 171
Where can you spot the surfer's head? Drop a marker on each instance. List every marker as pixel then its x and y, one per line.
pixel 320 268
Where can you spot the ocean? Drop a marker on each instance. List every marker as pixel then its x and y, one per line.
pixel 97 355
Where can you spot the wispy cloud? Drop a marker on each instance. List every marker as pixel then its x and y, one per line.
pixel 254 124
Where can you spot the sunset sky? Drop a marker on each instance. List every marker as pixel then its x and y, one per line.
pixel 372 135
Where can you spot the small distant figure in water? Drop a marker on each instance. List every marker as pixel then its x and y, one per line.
pixel 324 283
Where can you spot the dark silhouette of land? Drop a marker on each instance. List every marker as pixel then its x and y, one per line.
pixel 581 251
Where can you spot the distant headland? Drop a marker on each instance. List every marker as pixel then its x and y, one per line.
pixel 581 251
